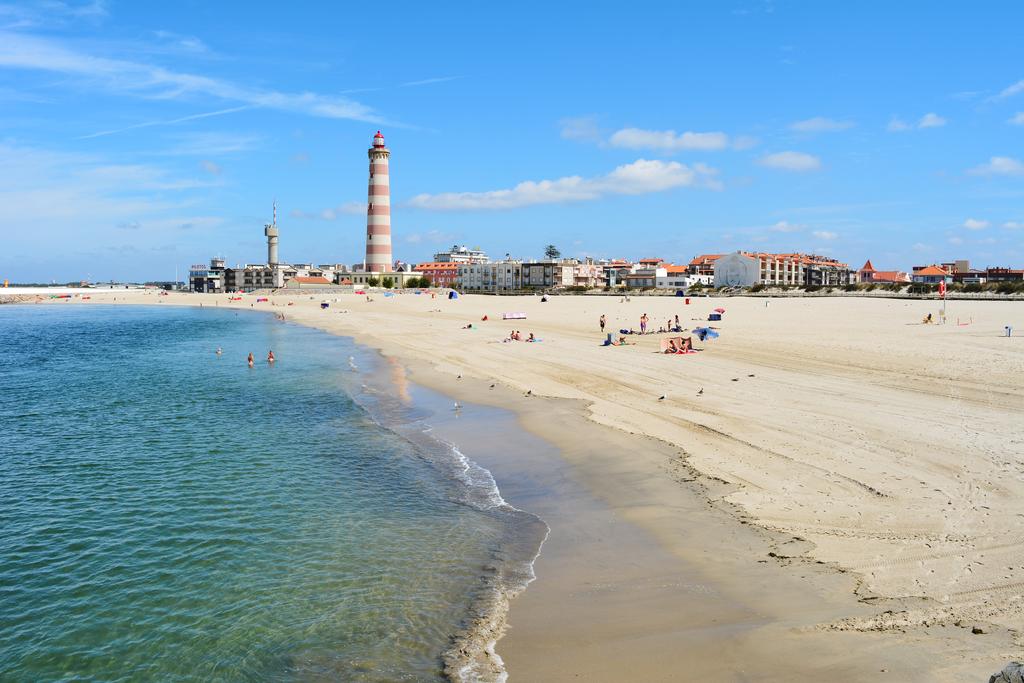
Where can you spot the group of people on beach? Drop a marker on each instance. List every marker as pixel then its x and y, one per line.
pixel 671 325
pixel 515 335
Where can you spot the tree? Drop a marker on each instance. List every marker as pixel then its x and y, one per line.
pixel 551 252
pixel 387 283
pixel 373 281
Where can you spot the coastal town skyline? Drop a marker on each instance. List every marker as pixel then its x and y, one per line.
pixel 138 142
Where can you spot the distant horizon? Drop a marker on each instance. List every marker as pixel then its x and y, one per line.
pixel 140 138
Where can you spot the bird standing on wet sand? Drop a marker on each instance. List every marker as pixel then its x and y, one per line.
pixel 457 406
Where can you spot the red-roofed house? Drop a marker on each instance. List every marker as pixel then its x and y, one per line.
pixel 868 274
pixel 704 264
pixel 932 274
pixel 441 274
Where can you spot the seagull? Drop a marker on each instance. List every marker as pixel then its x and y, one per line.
pixel 662 397
pixel 457 406
pixel 352 363
pixel 530 392
pixel 459 377
pixel 493 385
pixel 700 391
pixel 735 379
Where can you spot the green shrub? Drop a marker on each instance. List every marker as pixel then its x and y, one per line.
pixel 373 281
pixel 757 288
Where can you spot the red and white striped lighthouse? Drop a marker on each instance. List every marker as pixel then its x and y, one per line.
pixel 378 210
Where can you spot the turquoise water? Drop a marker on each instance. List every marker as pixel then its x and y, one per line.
pixel 171 514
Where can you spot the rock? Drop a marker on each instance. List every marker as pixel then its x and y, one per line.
pixel 1011 673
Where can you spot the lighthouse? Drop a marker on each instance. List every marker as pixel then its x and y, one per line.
pixel 378 209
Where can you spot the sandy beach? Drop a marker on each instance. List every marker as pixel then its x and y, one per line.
pixel 830 487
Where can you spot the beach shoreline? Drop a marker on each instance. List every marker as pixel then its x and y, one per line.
pixel 805 601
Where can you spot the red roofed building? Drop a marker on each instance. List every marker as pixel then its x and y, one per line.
pixel 867 274
pixel 703 264
pixel 440 274
pixel 932 274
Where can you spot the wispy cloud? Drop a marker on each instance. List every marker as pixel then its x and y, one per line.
pixel 667 140
pixel 1015 89
pixel 1014 225
pixel 820 124
pixel 166 122
pixel 49 13
pixel 931 120
pixel 791 161
pixel 210 167
pixel 786 226
pixel 429 237
pixel 21 51
pixel 825 235
pixel 998 166
pixel 640 177
pixel 975 224
pixel 1018 119
pixel 429 81
pixel 212 144
pixel 331 214
pixel 580 128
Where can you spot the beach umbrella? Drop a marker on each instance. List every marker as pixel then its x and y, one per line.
pixel 719 310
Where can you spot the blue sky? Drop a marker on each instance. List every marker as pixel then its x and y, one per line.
pixel 140 137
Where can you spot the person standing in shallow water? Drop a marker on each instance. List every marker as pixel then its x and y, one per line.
pixel 252 360
pixel 270 357
pixel 602 322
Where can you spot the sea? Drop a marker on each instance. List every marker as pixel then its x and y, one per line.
pixel 169 513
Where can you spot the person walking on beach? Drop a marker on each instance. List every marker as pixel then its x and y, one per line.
pixel 251 361
pixel 602 323
pixel 643 324
pixel 678 329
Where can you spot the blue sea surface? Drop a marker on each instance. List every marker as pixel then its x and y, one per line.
pixel 168 513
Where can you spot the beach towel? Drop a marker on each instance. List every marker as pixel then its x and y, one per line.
pixel 705 333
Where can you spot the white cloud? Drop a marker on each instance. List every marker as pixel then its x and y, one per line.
pixel 921 247
pixel 667 140
pixel 429 237
pixel 931 120
pixel 19 51
pixel 580 128
pixel 212 144
pixel 820 124
pixel 640 177
pixel 791 161
pixel 210 167
pixel 1018 119
pixel 786 226
pixel 897 125
pixel 348 208
pixel 825 235
pixel 975 224
pixel 999 166
pixel 1012 90
pixel 956 240
pixel 1013 225
pixel 741 142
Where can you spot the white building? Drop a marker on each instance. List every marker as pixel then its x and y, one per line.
pixel 499 276
pixel 461 254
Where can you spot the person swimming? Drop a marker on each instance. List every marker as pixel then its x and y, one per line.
pixel 219 351
pixel 252 360
pixel 270 357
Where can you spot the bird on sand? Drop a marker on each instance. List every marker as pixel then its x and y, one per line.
pixel 662 397
pixel 700 391
pixel 492 386
pixel 530 392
